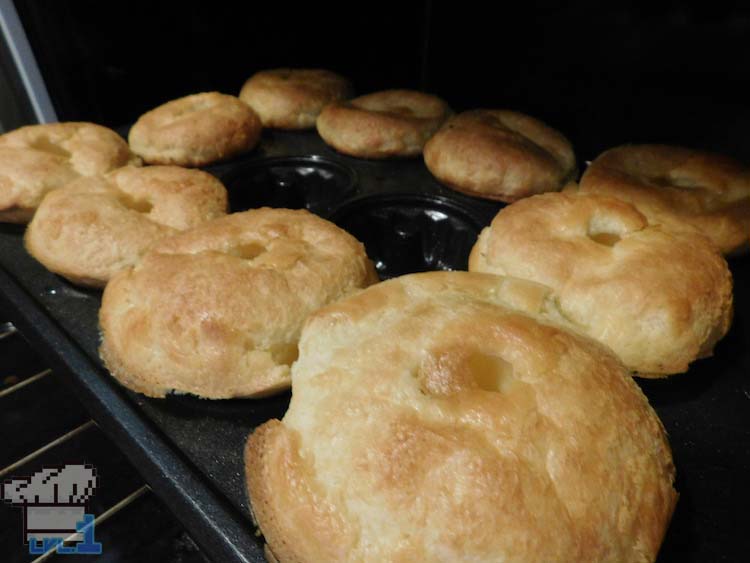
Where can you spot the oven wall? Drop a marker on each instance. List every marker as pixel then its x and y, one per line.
pixel 110 68
pixel 604 74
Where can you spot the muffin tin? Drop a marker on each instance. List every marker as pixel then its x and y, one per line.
pixel 190 450
pixel 297 182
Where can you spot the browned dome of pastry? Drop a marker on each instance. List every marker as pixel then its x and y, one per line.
pixel 216 311
pixel 196 130
pixel 96 226
pixel 659 298
pixel 37 159
pixel 500 154
pixel 676 186
pixel 435 418
pixel 292 98
pixel 384 124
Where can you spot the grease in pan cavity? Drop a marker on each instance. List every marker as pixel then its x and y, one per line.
pixel 408 233
pixel 304 182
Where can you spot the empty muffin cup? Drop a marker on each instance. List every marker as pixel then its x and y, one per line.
pixel 408 233
pixel 303 182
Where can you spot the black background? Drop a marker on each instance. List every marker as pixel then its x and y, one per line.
pixel 603 74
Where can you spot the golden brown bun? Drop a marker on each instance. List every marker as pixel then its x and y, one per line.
pixel 196 130
pixel 292 98
pixel 674 186
pixel 384 124
pixel 217 311
pixel 500 154
pixel 431 421
pixel 39 158
pixel 94 227
pixel 660 299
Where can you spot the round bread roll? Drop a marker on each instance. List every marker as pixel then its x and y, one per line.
pixel 39 158
pixel 675 186
pixel 94 227
pixel 500 155
pixel 217 311
pixel 660 299
pixel 433 421
pixel 196 130
pixel 292 98
pixel 384 124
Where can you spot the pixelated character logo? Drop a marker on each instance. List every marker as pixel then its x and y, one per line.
pixel 54 502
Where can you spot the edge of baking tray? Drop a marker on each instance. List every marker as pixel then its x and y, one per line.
pixel 217 527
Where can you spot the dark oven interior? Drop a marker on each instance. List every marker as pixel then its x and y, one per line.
pixel 603 74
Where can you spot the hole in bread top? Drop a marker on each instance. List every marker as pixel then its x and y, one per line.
pixel 607 229
pixel 490 372
pixel 400 110
pixel 136 204
pixel 456 369
pixel 607 239
pixel 385 107
pixel 43 144
pixel 284 353
pixel 249 251
pixel 677 182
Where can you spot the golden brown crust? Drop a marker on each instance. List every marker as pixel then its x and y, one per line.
pixel 39 158
pixel 292 98
pixel 216 311
pixel 196 130
pixel 500 154
pixel 432 421
pixel 384 124
pixel 96 226
pixel 272 455
pixel 605 266
pixel 675 186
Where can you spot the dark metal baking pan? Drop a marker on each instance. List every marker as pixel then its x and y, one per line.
pixel 190 450
pixel 407 233
pixel 310 182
